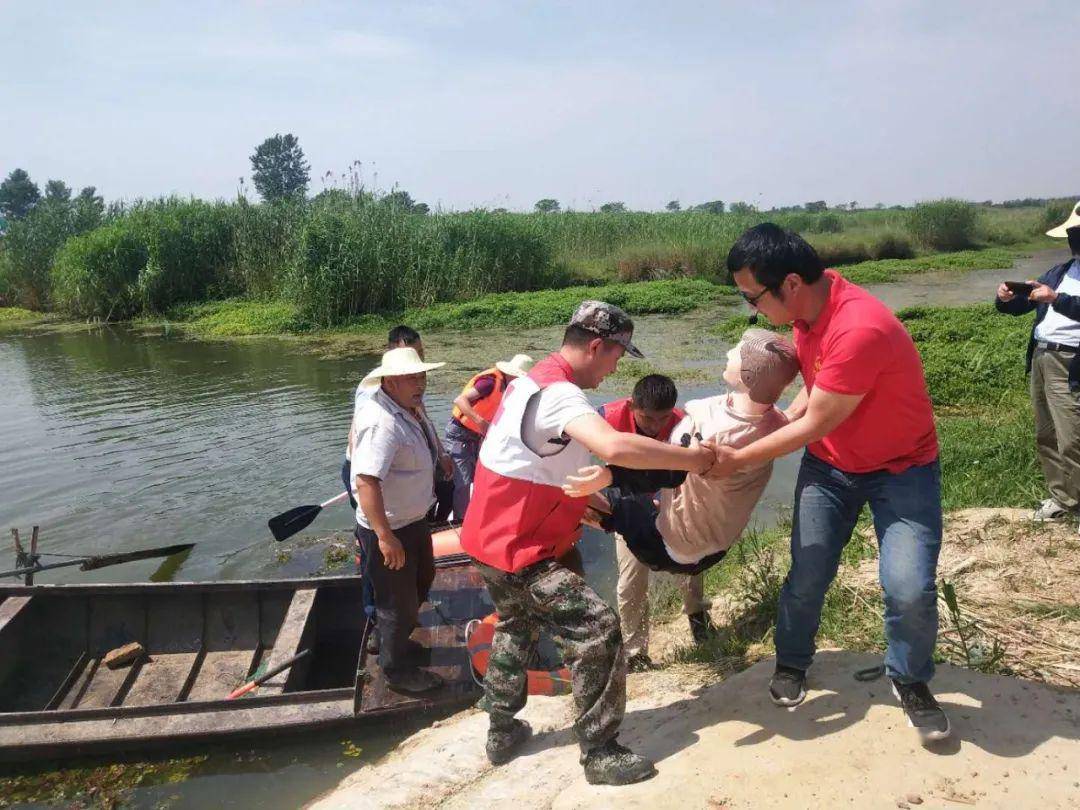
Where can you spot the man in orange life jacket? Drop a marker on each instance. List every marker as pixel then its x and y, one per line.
pixel 650 411
pixel 520 522
pixel 473 411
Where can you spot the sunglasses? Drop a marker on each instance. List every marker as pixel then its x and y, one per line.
pixel 753 299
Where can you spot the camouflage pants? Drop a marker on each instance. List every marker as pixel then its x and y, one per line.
pixel 549 597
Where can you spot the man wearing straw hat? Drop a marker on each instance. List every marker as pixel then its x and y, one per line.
pixel 1053 360
pixel 474 409
pixel 395 451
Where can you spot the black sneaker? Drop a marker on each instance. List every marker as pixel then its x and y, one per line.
pixel 503 744
pixel 922 710
pixel 701 627
pixel 612 764
pixel 640 662
pixel 788 686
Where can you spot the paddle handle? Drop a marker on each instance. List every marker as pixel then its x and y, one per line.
pixel 250 685
pixel 344 496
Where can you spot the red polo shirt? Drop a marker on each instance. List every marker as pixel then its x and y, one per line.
pixel 857 346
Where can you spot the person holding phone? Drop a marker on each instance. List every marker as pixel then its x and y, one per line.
pixel 1053 361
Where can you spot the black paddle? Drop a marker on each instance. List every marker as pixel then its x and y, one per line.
pixel 289 523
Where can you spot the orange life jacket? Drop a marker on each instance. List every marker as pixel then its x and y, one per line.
pixel 620 416
pixel 485 406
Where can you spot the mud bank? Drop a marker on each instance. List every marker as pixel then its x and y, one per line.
pixel 724 745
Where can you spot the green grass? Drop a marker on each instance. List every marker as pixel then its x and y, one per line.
pixel 13 314
pixel 239 317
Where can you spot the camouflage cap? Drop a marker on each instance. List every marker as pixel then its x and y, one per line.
pixel 607 321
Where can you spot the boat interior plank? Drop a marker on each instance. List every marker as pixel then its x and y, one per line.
pixel 174 638
pixel 231 639
pixel 295 631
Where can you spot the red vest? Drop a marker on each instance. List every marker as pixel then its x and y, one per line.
pixel 519 514
pixel 620 416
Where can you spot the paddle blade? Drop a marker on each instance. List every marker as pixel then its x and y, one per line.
pixel 289 523
pixel 102 560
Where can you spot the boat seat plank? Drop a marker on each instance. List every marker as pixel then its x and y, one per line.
pixel 221 672
pixel 161 679
pixel 296 630
pixel 104 686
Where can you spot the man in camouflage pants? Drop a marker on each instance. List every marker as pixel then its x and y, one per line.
pixel 546 596
pixel 521 524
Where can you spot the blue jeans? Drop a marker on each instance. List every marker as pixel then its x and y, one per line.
pixel 464 448
pixel 906 508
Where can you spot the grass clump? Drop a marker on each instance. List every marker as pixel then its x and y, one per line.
pixel 238 317
pixel 943 224
pixel 14 314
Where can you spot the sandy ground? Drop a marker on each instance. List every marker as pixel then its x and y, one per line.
pixel 1016 742
pixel 726 746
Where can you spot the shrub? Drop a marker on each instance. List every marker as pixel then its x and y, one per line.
pixel 835 252
pixel 96 275
pixel 30 245
pixel 943 224
pixel 827 223
pixel 1055 212
pixel 891 245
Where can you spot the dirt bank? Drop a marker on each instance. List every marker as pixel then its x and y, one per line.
pixel 726 746
pixel 722 744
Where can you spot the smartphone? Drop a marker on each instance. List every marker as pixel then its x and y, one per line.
pixel 1021 288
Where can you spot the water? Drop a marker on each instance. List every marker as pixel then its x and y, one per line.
pixel 114 440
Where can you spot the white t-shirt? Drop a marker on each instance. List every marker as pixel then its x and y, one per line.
pixel 1055 327
pixel 548 414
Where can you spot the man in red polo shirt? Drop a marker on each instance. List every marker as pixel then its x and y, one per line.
pixel 865 419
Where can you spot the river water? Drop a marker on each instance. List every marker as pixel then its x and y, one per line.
pixel 114 439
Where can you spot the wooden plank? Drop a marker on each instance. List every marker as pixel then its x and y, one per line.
pixel 103 687
pixel 231 637
pixel 296 630
pixel 68 683
pixel 174 638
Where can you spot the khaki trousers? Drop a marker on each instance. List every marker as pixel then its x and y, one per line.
pixel 633 598
pixel 1057 425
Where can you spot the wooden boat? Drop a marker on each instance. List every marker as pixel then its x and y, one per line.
pixel 58 698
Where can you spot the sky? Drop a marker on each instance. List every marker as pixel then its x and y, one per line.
pixel 499 104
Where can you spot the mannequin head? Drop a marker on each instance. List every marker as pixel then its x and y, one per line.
pixel 762 364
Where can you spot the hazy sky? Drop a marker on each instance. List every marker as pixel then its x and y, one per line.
pixel 501 103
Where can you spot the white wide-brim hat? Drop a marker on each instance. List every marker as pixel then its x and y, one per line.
pixel 518 366
pixel 1072 222
pixel 397 363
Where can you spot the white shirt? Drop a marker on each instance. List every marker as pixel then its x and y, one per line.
pixel 391 444
pixel 361 396
pixel 1055 327
pixel 548 414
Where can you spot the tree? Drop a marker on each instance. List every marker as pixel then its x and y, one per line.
pixel 18 195
pixel 547 206
pixel 741 208
pixel 613 208
pixel 816 207
pixel 278 168
pixel 57 192
pixel 852 205
pixel 673 206
pixel 89 209
pixel 714 207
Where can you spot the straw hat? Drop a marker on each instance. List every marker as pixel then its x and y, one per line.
pixel 518 367
pixel 397 363
pixel 1072 222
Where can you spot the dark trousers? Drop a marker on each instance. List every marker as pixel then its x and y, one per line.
pixel 399 594
pixel 634 517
